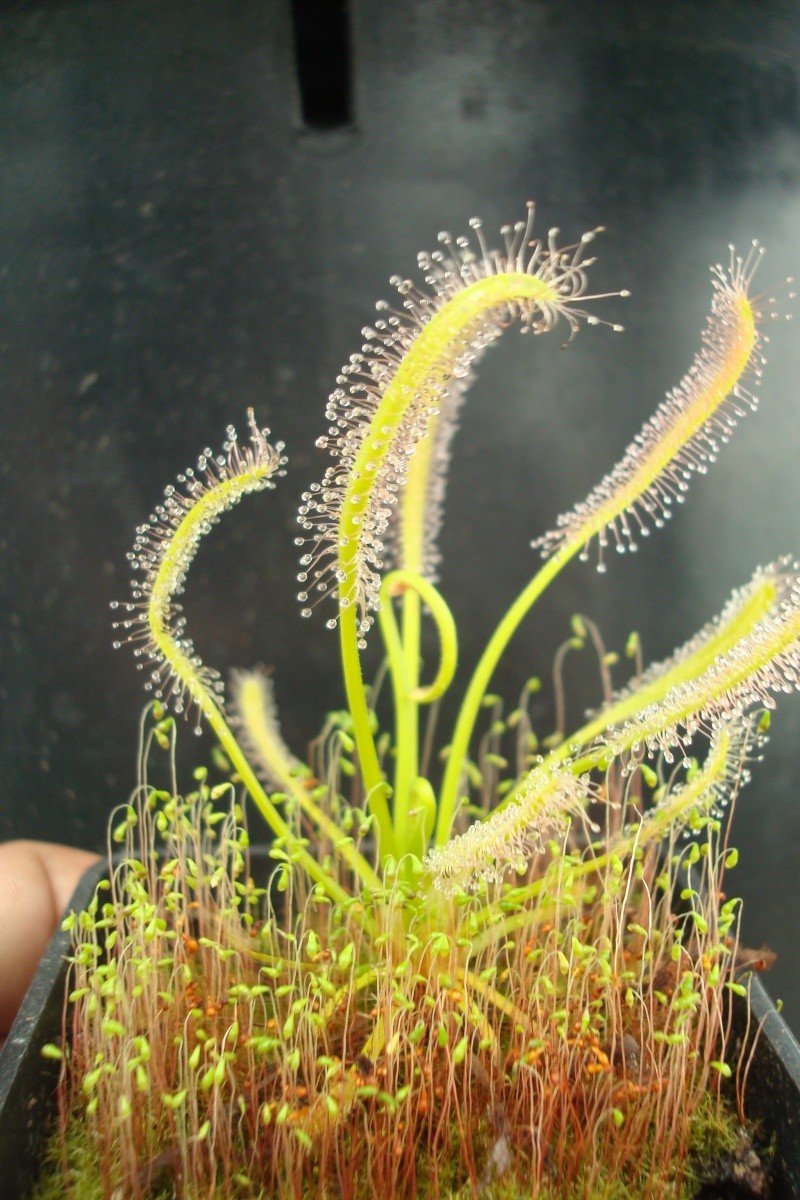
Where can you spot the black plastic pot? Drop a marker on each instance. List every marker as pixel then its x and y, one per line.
pixel 773 1087
pixel 28 1081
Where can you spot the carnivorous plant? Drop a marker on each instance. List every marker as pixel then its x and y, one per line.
pixel 500 969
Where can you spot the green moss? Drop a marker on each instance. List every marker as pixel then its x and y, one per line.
pixel 196 996
pixel 716 1132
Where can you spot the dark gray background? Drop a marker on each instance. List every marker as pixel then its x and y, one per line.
pixel 177 243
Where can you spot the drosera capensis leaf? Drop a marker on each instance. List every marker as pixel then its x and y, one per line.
pixel 163 553
pixel 394 392
pixel 687 430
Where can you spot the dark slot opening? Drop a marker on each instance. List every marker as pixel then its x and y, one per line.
pixel 324 61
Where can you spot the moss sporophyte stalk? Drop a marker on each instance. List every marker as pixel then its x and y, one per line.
pixel 506 976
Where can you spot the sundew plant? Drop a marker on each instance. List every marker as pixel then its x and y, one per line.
pixel 484 960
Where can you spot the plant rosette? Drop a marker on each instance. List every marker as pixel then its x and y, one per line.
pixel 497 962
